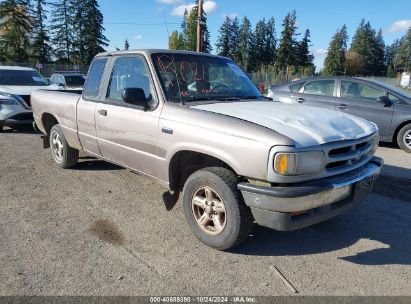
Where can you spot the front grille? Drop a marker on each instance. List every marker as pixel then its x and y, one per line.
pixel 26 98
pixel 346 156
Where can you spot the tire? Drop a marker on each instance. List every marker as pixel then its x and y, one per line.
pixel 229 220
pixel 1 128
pixel 404 138
pixel 64 155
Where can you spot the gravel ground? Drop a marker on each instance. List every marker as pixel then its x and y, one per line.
pixel 99 229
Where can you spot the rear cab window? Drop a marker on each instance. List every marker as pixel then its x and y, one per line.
pixel 95 75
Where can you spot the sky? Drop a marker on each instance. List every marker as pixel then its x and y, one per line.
pixel 146 23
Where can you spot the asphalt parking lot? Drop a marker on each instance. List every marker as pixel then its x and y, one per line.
pixel 99 229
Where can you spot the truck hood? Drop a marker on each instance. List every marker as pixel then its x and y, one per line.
pixel 306 126
pixel 25 90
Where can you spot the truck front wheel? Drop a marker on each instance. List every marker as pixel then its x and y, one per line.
pixel 214 208
pixel 64 155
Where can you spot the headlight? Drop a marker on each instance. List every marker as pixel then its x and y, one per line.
pixel 299 163
pixel 8 99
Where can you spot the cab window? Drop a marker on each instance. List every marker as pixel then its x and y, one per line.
pixel 320 87
pixel 129 72
pixel 356 90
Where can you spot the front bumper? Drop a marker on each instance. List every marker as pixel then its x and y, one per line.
pixel 14 115
pixel 300 205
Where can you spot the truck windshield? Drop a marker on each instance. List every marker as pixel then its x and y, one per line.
pixel 22 78
pixel 190 78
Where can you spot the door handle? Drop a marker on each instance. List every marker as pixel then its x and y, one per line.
pixel 102 112
pixel 300 100
pixel 342 107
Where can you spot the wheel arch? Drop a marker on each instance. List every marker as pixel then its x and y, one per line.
pixel 48 121
pixel 185 162
pixel 397 130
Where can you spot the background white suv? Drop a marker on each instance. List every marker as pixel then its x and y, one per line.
pixel 16 86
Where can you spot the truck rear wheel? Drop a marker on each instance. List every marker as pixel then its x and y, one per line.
pixel 64 155
pixel 214 208
pixel 404 138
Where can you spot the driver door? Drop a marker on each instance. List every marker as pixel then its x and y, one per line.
pixel 127 134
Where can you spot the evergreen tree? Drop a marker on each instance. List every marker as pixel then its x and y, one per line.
pixel 335 60
pixel 126 45
pixel 258 46
pixel 191 37
pixel 379 67
pixel 270 43
pixel 94 38
pixel 391 52
pixel 304 57
pixel 234 40
pixel 63 29
pixel 287 48
pixel 41 40
pixel 344 44
pixel 245 43
pixel 176 42
pixel 364 44
pixel 207 48
pixel 223 41
pixel 16 25
pixel 184 30
pixel 78 10
pixel 173 41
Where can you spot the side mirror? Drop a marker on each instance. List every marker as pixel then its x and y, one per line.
pixel 135 96
pixel 385 100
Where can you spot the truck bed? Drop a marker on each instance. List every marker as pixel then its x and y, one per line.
pixel 60 104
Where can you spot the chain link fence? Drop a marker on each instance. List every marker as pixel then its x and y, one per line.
pixel 50 68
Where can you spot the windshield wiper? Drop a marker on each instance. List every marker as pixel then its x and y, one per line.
pixel 194 98
pixel 256 97
pixel 229 98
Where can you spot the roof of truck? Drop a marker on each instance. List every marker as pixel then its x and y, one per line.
pixel 152 51
pixel 15 68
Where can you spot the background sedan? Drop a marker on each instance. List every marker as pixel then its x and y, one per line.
pixel 383 104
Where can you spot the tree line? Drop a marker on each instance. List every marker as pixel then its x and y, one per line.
pixel 256 50
pixel 368 54
pixel 61 31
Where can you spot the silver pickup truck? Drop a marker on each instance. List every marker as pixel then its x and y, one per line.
pixel 196 123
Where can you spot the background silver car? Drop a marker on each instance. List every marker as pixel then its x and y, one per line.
pixel 385 105
pixel 16 86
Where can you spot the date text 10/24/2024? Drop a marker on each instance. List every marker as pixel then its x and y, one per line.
pixel 203 299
